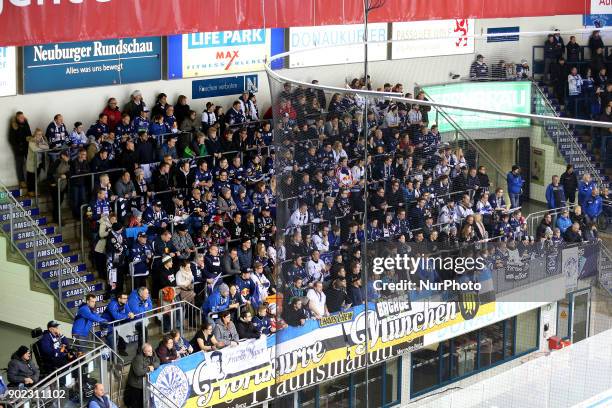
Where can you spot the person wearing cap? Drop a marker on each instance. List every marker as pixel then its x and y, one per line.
pixel 218 301
pixel 182 242
pixel 21 369
pixel 165 273
pixel 85 318
pixel 53 346
pixel 135 105
pixel 479 69
pixel 522 70
pixel 155 216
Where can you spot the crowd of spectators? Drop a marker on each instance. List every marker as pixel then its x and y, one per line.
pixel 262 235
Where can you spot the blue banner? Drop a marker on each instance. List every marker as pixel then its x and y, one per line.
pixel 208 88
pixel 53 67
pixel 503 30
pixel 597 20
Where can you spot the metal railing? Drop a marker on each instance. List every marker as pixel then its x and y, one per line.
pixel 534 218
pixel 564 132
pixel 49 154
pixel 42 247
pixel 604 269
pixel 73 382
pixel 123 335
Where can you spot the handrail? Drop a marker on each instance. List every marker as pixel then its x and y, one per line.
pixel 144 315
pixel 530 219
pixel 575 146
pixel 62 261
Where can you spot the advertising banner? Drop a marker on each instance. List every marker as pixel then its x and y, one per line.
pixel 432 38
pixel 333 40
pixel 208 88
pixel 8 71
pixel 53 67
pixel 503 30
pixel 511 96
pixel 217 53
pixel 601 7
pixel 40 21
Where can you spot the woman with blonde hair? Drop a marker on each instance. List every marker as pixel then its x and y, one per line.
pixel 34 162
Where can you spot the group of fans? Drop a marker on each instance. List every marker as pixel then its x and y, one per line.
pixel 262 222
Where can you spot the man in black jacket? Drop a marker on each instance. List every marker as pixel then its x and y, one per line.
pixel 78 185
pixel 569 181
pixel 18 132
pixel 573 234
pixel 558 78
pixel 245 327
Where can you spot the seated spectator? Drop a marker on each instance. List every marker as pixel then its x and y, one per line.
pixel 245 327
pixel 166 351
pixel 143 364
pixel 564 221
pixel 185 282
pixel 295 315
pixel 204 339
pixel 262 321
pixel 225 331
pixel 218 301
pixel 100 399
pixel 181 345
pixel 21 369
pixel 573 234
pixel 479 69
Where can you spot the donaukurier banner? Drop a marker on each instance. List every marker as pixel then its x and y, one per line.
pixel 31 22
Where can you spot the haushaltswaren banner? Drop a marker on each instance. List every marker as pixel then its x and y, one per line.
pixel 53 67
pixel 31 22
pixel 415 39
pixel 298 357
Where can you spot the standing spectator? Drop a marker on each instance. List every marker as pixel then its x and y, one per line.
pixel 295 315
pixel 317 300
pixel 569 181
pixel 161 103
pixel 181 110
pixel 479 69
pixel 35 163
pixel 336 298
pixel 117 311
pixel 78 185
pixel 56 134
pixel 19 132
pixel 144 363
pixel 555 196
pixel 59 173
pixel 595 42
pixel 113 114
pixel 550 56
pixel 585 188
pixel 593 206
pixel 21 369
pixel 84 320
pixel 575 82
pixel 140 303
pixel 515 186
pixel 99 399
pixel 558 79
pixel 573 50
pixel 135 105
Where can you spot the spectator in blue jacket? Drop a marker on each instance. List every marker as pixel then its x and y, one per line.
pixel 515 185
pixel 218 301
pixel 117 311
pixel 555 195
pixel 140 303
pixel 585 188
pixel 53 347
pixel 85 318
pixel 593 206
pixel 99 399
pixel 564 221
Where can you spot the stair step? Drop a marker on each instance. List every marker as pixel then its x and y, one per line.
pixel 31 212
pixel 23 201
pixel 23 224
pixel 76 303
pixel 68 282
pixel 30 243
pixel 49 252
pixel 30 232
pixel 54 272
pixel 47 263
pixel 77 290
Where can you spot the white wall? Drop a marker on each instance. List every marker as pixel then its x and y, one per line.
pixel 85 104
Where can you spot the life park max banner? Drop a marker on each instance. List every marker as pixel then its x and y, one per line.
pixel 53 67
